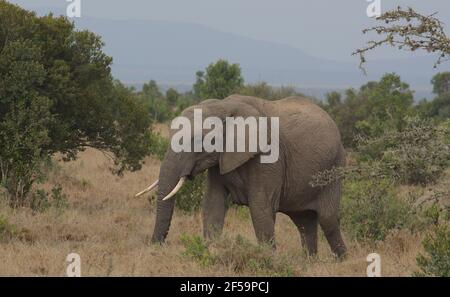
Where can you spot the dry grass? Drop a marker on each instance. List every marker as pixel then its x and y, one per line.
pixel 110 229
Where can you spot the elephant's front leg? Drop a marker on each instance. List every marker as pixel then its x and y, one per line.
pixel 263 217
pixel 214 205
pixel 263 199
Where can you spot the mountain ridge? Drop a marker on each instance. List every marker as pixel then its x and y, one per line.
pixel 171 52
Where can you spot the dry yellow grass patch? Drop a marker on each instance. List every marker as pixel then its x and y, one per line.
pixel 110 229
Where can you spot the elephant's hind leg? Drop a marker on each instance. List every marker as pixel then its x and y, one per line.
pixel 306 223
pixel 328 214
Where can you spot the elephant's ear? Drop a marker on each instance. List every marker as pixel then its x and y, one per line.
pixel 229 161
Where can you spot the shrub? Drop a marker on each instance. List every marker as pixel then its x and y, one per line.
pixel 376 107
pixel 418 154
pixel 196 249
pixel 241 255
pixel 370 209
pixel 59 199
pixel 158 145
pixel 238 254
pixel 436 260
pixel 242 212
pixel 431 214
pixel 41 200
pixel 190 197
pixel 7 230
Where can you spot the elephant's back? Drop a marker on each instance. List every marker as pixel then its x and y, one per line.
pixel 300 107
pixel 303 117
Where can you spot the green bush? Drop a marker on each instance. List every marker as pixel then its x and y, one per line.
pixel 41 200
pixel 432 209
pixel 59 199
pixel 436 260
pixel 371 209
pixel 239 254
pixel 242 212
pixel 7 230
pixel 376 107
pixel 196 249
pixel 417 154
pixel 158 145
pixel 190 197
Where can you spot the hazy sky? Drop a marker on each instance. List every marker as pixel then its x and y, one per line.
pixel 323 28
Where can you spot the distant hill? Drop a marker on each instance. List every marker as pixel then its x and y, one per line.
pixel 171 53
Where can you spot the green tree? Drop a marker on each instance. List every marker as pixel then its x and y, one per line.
pixel 156 104
pixel 439 107
pixel 374 108
pixel 184 101
pixel 220 80
pixel 199 84
pixel 57 95
pixel 151 89
pixel 172 96
pixel 441 83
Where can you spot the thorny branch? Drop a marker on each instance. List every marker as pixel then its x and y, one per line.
pixel 407 29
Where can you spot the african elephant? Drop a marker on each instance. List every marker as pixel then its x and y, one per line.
pixel 309 142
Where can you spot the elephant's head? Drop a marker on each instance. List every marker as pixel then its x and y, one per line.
pixel 179 166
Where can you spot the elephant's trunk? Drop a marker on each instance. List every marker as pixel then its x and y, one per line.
pixel 164 212
pixel 171 177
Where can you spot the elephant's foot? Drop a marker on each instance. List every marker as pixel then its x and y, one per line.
pixel 340 252
pixel 212 232
pixel 270 244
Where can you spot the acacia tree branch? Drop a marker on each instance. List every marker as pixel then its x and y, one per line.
pixel 409 30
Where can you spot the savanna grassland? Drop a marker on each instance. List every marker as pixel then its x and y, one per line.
pixel 110 230
pixel 73 138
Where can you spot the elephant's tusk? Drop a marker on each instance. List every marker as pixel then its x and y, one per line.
pixel 176 189
pixel 151 187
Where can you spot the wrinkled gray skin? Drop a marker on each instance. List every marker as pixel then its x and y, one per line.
pixel 309 142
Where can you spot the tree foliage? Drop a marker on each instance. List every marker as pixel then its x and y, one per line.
pixel 441 83
pixel 57 95
pixel 220 80
pixel 435 261
pixel 374 108
pixel 155 102
pixel 439 107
